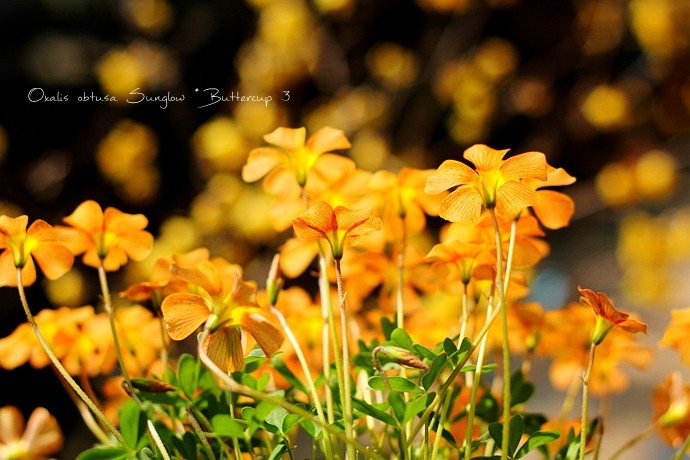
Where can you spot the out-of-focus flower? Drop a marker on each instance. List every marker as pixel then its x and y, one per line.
pixel 295 157
pixel 339 226
pixel 108 238
pixel 225 303
pixel 554 209
pixel 600 25
pixel 607 316
pixel 126 158
pixel 140 338
pixel 671 409
pixel 606 107
pixel 658 26
pixel 496 183
pixel 40 439
pixel 20 246
pixel 655 175
pixel 152 16
pixel 220 144
pixel 676 334
pixel 392 65
pixel 405 205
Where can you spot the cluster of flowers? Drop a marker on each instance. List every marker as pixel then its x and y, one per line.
pixel 462 300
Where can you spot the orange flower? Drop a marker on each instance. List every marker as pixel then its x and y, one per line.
pixel 496 184
pixel 671 407
pixel 225 303
pixel 676 334
pixel 339 226
pixel 40 439
pixel 20 247
pixel 607 316
pixel 108 238
pixel 554 209
pixel 405 202
pixel 295 158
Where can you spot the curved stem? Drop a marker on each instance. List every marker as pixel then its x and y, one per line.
pixel 108 304
pixel 506 345
pixel 60 368
pixel 585 401
pixel 238 388
pixel 347 390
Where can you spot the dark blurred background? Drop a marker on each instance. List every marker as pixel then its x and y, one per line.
pixel 601 86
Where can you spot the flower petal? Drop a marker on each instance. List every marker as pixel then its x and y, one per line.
pixel 260 162
pixel 554 209
pixel 264 332
pixel 484 157
pixel 204 274
pixel 317 222
pixel 291 139
pixel 462 205
pixel 88 217
pixel 347 219
pixel 11 424
pixel 448 175
pixel 13 226
pixel 512 198
pixel 224 348
pixel 42 434
pixel 54 259
pixel 184 313
pixel 524 166
pixel 327 139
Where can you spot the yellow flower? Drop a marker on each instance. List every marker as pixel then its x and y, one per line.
pixel 554 209
pixel 19 247
pixel 225 303
pixel 108 238
pixel 339 226
pixel 496 184
pixel 295 157
pixel 607 316
pixel 676 334
pixel 671 407
pixel 37 441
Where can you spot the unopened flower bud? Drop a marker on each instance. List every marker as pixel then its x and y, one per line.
pixel 402 357
pixel 152 386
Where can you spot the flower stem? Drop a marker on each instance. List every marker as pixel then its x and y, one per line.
pixel 506 345
pixel 347 401
pixel 60 368
pixel 400 315
pixel 683 449
pixel 585 401
pixel 307 374
pixel 108 304
pixel 327 327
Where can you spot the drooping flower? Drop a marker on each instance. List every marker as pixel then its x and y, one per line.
pixel 224 303
pixel 339 226
pixel 607 316
pixel 671 408
pixel 109 238
pixel 495 184
pixel 295 156
pixel 19 247
pixel 37 441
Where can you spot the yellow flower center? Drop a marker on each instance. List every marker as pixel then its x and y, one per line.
pixel 15 450
pixel 488 184
pixel 302 162
pixel 104 241
pixel 21 245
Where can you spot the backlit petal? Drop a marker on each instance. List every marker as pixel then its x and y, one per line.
pixel 554 209
pixel 184 313
pixel 462 205
pixel 88 216
pixel 54 259
pixel 224 348
pixel 13 226
pixel 327 139
pixel 484 158
pixel 260 162
pixel 137 245
pixel 316 222
pixel 120 222
pixel 524 165
pixel 448 175
pixel 348 219
pixel 264 332
pixel 512 198
pixel 204 274
pixel 42 434
pixel 291 139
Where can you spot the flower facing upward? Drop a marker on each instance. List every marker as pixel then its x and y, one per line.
pixel 225 303
pixel 607 316
pixel 339 226
pixel 496 183
pixel 295 156
pixel 41 437
pixel 19 247
pixel 109 237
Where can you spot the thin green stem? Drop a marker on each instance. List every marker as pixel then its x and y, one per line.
pixel 683 449
pixel 506 345
pixel 400 316
pixel 238 388
pixel 347 390
pixel 327 331
pixel 441 423
pixel 307 374
pixel 60 368
pixel 585 401
pixel 157 440
pixel 108 304
pixel 199 432
pixel 476 381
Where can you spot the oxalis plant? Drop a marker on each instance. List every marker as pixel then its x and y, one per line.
pixel 400 349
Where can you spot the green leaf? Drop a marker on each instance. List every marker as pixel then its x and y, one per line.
pixel 398 405
pixel 132 425
pixel 520 390
pixel 450 348
pixel 538 438
pixel 396 383
pixel 436 367
pixel 146 454
pixel 186 445
pixel 485 368
pixel 373 411
pixel 517 428
pixel 311 428
pixel 279 451
pixel 281 367
pixel 402 339
pixel 487 408
pixel 188 370
pixel 226 425
pixel 415 406
pixel 424 352
pixel 496 433
pixel 104 453
pixel 276 418
pixel 387 327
